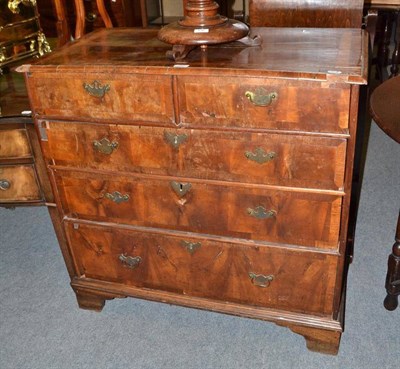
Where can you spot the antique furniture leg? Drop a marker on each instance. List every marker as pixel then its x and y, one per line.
pixel 319 340
pixel 383 50
pixel 371 21
pixel 92 301
pixel 394 70
pixel 393 273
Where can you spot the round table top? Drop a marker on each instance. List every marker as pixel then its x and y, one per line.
pixel 385 107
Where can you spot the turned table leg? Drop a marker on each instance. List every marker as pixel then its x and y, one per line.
pixel 383 48
pixel 393 273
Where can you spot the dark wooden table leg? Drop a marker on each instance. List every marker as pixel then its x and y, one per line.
pixel 383 48
pixel 394 70
pixel 393 273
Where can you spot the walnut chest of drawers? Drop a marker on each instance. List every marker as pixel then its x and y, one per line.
pixel 221 182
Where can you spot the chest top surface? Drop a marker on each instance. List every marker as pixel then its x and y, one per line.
pixel 337 55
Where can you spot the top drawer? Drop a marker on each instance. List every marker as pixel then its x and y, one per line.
pixel 116 97
pixel 263 103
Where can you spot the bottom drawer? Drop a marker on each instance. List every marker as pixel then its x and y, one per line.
pixel 280 278
pixel 19 183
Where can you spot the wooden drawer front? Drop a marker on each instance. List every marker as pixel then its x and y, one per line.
pixel 294 280
pixel 251 213
pixel 14 143
pixel 18 183
pixel 302 106
pixel 286 160
pixel 121 97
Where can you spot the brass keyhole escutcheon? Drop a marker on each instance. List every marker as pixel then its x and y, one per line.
pixel 175 140
pixel 181 189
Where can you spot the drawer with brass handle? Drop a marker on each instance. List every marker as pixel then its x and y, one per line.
pixel 102 97
pixel 19 183
pixel 288 279
pixel 263 103
pixel 298 218
pixel 276 159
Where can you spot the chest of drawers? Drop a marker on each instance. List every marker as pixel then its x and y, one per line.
pixel 221 182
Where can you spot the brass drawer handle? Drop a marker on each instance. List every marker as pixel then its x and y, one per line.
pixel 175 140
pixel 260 97
pixel 117 197
pixel 105 146
pixel 4 184
pixel 191 247
pixel 96 89
pixel 181 189
pixel 260 212
pixel 261 280
pixel 260 156
pixel 131 262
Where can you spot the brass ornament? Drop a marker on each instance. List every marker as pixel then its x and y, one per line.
pixel 13 5
pixel 43 45
pixel 181 189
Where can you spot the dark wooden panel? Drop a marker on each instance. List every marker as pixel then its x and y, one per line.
pixel 290 160
pixel 298 218
pixel 306 13
pixel 302 281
